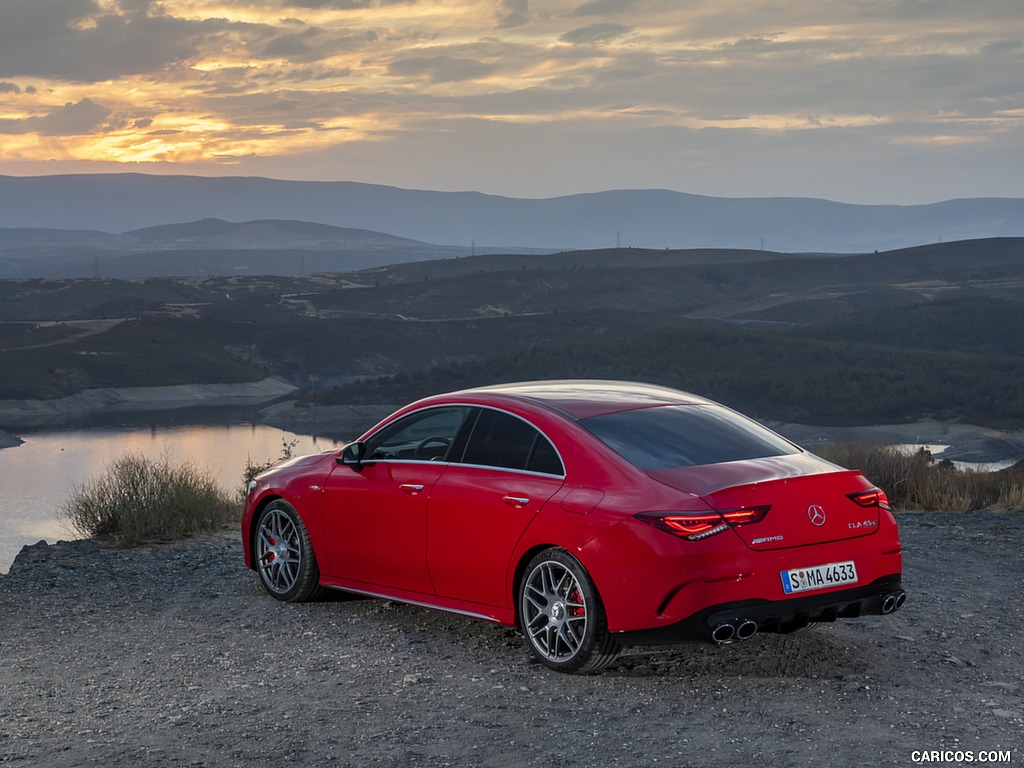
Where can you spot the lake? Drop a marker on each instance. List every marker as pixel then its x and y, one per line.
pixel 37 476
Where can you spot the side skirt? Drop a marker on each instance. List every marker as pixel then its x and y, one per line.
pixel 447 605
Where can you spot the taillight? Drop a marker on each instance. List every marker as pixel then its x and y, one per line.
pixel 694 526
pixel 874 498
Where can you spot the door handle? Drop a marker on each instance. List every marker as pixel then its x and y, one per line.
pixel 411 488
pixel 516 501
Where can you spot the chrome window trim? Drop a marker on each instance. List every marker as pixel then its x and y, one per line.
pixel 507 469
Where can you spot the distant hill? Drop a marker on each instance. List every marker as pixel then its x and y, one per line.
pixel 737 286
pixel 639 218
pixel 206 247
pixel 266 233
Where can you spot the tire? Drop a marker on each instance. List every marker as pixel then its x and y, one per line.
pixel 561 614
pixel 284 555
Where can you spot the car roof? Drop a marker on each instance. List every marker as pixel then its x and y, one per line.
pixel 583 398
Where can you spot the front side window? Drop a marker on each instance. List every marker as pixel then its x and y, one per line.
pixel 502 440
pixel 673 436
pixel 422 436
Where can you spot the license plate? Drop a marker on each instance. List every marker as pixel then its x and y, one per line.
pixel 818 577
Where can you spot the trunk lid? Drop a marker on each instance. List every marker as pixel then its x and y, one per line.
pixel 808 498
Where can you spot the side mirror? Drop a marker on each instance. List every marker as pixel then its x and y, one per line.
pixel 352 456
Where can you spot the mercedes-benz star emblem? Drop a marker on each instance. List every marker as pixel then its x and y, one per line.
pixel 816 515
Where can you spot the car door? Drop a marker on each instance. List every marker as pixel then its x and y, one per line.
pixel 375 519
pixel 482 504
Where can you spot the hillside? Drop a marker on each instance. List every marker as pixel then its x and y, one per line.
pixel 820 339
pixel 640 218
pixel 770 375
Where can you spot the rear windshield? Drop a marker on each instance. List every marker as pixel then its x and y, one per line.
pixel 672 436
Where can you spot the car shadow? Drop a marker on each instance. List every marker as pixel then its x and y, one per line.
pixel 813 653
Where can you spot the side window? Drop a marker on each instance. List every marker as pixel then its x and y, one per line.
pixel 544 458
pixel 502 440
pixel 422 436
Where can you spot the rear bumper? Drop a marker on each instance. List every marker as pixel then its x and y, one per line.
pixel 778 616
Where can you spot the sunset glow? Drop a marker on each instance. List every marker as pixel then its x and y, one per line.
pixel 373 89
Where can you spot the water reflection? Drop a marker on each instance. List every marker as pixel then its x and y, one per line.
pixel 936 450
pixel 37 476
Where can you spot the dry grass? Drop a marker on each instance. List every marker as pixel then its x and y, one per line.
pixel 917 481
pixel 135 499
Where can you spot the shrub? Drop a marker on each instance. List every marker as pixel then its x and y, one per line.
pixel 136 498
pixel 251 470
pixel 916 481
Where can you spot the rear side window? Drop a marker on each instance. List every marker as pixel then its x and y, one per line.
pixel 544 458
pixel 502 440
pixel 672 436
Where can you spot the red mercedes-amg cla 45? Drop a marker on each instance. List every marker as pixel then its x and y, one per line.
pixel 590 514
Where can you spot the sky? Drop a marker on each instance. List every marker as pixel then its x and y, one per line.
pixel 862 101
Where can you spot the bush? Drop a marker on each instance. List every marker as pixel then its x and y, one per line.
pixel 136 498
pixel 916 481
pixel 252 470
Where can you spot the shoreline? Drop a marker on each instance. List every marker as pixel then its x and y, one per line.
pixel 969 443
pixel 29 413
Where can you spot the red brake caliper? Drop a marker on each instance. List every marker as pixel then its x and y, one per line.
pixel 576 597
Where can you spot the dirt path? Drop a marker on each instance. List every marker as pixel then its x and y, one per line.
pixel 89 328
pixel 172 655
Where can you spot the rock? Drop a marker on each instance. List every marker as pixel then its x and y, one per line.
pixel 416 679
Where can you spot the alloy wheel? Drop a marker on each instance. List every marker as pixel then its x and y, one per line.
pixel 278 551
pixel 554 611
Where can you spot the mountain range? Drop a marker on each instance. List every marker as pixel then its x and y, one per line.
pixel 119 203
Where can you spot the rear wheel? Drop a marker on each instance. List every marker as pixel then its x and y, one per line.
pixel 284 554
pixel 562 616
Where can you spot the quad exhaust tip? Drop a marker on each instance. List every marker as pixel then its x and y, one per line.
pixel 733 631
pixel 746 630
pixel 893 602
pixel 737 630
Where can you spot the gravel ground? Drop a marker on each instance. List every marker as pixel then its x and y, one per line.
pixel 171 654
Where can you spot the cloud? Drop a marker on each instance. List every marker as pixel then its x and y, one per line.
pixel 512 13
pixel 920 10
pixel 441 69
pixel 83 117
pixel 602 8
pixel 292 45
pixel 311 44
pixel 82 41
pixel 595 34
pixel 1003 46
pixel 9 88
pixel 72 119
pixel 344 5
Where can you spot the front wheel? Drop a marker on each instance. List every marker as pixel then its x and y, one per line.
pixel 562 616
pixel 284 554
